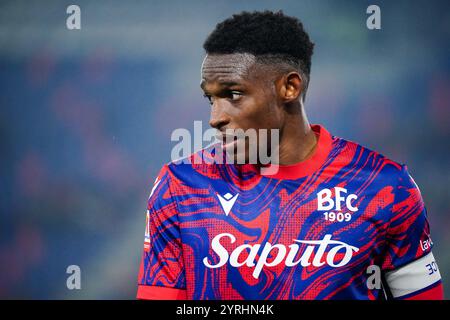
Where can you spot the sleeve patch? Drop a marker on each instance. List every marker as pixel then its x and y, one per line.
pixel 413 277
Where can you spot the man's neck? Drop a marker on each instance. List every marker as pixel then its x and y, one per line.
pixel 297 141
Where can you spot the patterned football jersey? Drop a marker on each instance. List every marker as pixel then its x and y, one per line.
pixel 347 223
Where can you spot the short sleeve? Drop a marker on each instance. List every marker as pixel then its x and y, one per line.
pixel 161 273
pixel 408 236
pixel 409 265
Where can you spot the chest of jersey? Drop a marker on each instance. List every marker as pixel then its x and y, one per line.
pixel 282 239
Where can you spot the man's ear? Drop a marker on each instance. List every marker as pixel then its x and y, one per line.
pixel 290 87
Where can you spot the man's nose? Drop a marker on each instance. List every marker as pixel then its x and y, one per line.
pixel 219 119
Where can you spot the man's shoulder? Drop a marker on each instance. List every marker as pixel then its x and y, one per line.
pixel 358 156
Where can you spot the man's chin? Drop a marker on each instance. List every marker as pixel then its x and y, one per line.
pixel 235 153
pixel 234 157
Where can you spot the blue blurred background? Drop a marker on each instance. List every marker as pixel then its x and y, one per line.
pixel 86 117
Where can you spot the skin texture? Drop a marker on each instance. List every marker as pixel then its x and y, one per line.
pixel 245 93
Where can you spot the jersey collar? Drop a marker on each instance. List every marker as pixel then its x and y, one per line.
pixel 307 166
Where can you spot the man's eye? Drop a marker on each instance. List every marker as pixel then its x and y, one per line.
pixel 207 96
pixel 235 95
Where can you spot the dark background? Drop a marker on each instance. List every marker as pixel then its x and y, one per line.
pixel 86 117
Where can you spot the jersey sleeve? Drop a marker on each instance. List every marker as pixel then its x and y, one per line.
pixel 161 272
pixel 409 266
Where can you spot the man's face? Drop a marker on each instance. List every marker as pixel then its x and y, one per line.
pixel 242 95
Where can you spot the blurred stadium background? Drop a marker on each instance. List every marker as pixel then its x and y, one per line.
pixel 86 117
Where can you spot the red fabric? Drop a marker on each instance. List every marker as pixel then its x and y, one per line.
pixel 160 293
pixel 434 293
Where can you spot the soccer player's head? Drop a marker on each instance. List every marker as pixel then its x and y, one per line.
pixel 256 70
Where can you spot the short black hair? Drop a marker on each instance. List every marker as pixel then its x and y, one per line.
pixel 263 34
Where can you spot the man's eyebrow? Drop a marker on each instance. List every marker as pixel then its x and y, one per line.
pixel 221 83
pixel 229 83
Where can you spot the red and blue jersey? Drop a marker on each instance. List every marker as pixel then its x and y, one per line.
pixel 347 223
